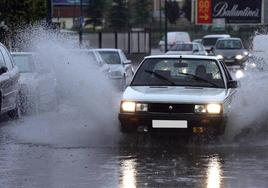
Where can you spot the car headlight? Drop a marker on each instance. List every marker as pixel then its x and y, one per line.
pixel 219 57
pixel 245 53
pixel 214 108
pixel 239 74
pixel 209 108
pixel 238 57
pixel 128 106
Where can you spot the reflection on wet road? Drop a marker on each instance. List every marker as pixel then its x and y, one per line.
pixel 131 165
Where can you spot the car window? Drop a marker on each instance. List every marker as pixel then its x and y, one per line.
pixel 7 59
pixel 182 47
pixel 25 63
pixel 229 44
pixel 124 58
pixel 181 72
pixel 195 47
pixel 2 60
pixel 110 57
pixel 209 41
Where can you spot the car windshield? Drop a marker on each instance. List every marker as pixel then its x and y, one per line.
pixel 179 72
pixel 25 63
pixel 182 47
pixel 209 41
pixel 110 57
pixel 229 44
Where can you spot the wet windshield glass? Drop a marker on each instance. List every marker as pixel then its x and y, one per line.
pixel 229 44
pixel 179 72
pixel 110 57
pixel 182 47
pixel 209 41
pixel 25 63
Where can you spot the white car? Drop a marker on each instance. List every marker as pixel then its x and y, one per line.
pixel 178 93
pixel 173 38
pixel 38 82
pixel 209 41
pixel 115 63
pixel 187 48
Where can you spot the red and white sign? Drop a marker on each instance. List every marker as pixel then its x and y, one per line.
pixel 204 11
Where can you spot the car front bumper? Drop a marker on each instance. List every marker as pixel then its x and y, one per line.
pixel 196 123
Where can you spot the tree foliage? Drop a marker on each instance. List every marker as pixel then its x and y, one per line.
pixel 17 12
pixel 118 15
pixel 187 9
pixel 173 11
pixel 96 10
pixel 141 14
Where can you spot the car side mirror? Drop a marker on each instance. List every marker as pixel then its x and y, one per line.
pixel 126 62
pixel 212 49
pixel 232 84
pixel 3 70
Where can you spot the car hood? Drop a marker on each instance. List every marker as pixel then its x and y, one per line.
pixel 175 94
pixel 229 53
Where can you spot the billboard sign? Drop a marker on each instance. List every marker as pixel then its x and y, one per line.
pixel 70 2
pixel 204 15
pixel 237 11
pixel 232 11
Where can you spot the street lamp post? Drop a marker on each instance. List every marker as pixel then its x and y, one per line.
pixel 81 23
pixel 49 12
pixel 166 24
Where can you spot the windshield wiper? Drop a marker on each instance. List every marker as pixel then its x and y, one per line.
pixel 200 79
pixel 160 77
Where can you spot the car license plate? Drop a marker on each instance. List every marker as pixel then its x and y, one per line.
pixel 229 61
pixel 169 124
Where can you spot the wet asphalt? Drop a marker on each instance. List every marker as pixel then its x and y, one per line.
pixel 55 157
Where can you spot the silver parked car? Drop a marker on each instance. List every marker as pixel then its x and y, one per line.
pixel 187 48
pixel 38 82
pixel 115 63
pixel 231 51
pixel 9 85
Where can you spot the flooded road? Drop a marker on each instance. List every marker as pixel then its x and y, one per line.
pixel 53 156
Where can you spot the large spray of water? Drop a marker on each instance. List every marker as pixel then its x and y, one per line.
pixel 87 101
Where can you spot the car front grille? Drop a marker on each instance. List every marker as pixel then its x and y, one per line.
pixel 170 108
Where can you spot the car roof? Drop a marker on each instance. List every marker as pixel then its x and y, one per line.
pixel 23 53
pixel 106 49
pixel 182 56
pixel 231 38
pixel 217 36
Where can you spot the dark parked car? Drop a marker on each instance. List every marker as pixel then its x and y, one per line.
pixel 9 86
pixel 232 51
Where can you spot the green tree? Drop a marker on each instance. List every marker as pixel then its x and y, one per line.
pixel 20 12
pixel 142 14
pixel 96 12
pixel 118 15
pixel 173 11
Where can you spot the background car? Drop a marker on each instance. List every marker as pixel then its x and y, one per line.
pixel 187 48
pixel 198 41
pixel 173 38
pixel 38 82
pixel 115 63
pixel 209 41
pixel 232 51
pixel 9 85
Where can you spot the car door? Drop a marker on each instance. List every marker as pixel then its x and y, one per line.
pixel 9 82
